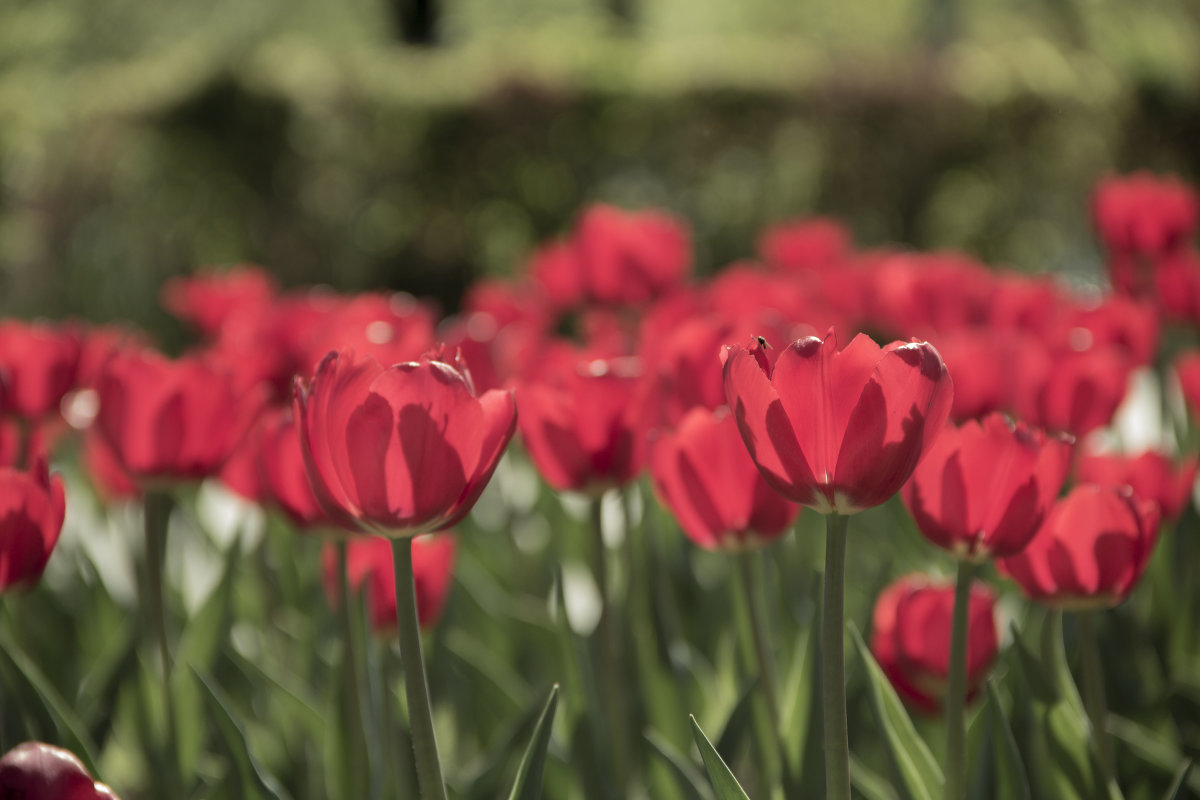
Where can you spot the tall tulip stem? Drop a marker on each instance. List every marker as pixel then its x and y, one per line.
pixel 416 685
pixel 1093 692
pixel 156 518
pixel 833 661
pixel 956 691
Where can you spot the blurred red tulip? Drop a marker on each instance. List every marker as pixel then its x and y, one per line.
pixel 369 569
pixel 206 300
pixel 281 461
pixel 838 431
pixel 1177 286
pixel 703 474
pixel 389 328
pixel 812 244
pixel 1120 321
pixel 38 771
pixel 910 638
pixel 1151 475
pixel 1187 369
pixel 167 419
pixel 32 507
pixel 584 425
pixel 931 292
pixel 39 364
pixel 982 490
pixel 400 450
pixel 109 478
pixel 1142 219
pixel 982 366
pixel 615 257
pixel 1090 551
pixel 1076 391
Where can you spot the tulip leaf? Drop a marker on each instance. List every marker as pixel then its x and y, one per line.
pixel 868 783
pixel 1181 776
pixel 690 778
pixel 798 701
pixel 528 785
pixel 201 639
pixel 72 733
pixel 254 782
pixel 1151 746
pixel 1011 778
pixel 919 773
pixel 740 722
pixel 724 785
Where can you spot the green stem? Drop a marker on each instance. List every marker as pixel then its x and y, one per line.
pixel 1093 693
pixel 609 643
pixel 833 661
pixel 750 572
pixel 416 685
pixel 956 691
pixel 156 512
pixel 359 769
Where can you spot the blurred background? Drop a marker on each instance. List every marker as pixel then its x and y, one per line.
pixel 420 144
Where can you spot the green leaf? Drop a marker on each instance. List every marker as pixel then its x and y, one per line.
pixel 920 775
pixel 740 722
pixel 724 785
pixel 528 785
pixel 1011 779
pixel 1177 785
pixel 1153 747
pixel 693 782
pixel 869 784
pixel 201 639
pixel 798 701
pixel 72 733
pixel 254 782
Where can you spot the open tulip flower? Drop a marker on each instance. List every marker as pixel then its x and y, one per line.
pixel 701 471
pixel 39 771
pixel 1091 550
pixel 39 363
pixel 400 450
pixel 32 507
pixel 840 431
pixel 910 638
pixel 171 419
pixel 983 489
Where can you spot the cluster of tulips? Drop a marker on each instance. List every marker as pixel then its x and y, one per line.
pixel 743 397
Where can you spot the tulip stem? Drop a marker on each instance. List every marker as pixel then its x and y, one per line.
pixel 1093 692
pixel 956 690
pixel 156 518
pixel 358 770
pixel 833 661
pixel 416 685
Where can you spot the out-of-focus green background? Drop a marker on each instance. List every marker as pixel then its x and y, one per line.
pixel 141 140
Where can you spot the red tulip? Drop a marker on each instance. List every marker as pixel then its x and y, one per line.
pixel 167 419
pixel 982 490
pixel 616 257
pixel 32 507
pixel 1151 475
pixel 1072 391
pixel 584 425
pixel 910 638
pixel 109 478
pixel 1120 321
pixel 369 570
pixel 389 328
pixel 39 364
pixel 1187 368
pixel 982 365
pixel 1142 219
pixel 208 299
pixel 1090 551
pixel 37 771
pixel 813 244
pixel 400 450
pixel 703 474
pixel 838 431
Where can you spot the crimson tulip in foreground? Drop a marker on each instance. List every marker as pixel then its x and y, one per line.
pixel 38 771
pixel 910 638
pixel 983 489
pixel 400 450
pixel 32 507
pixel 1091 550
pixel 839 431
pixel 369 570
pixel 702 472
